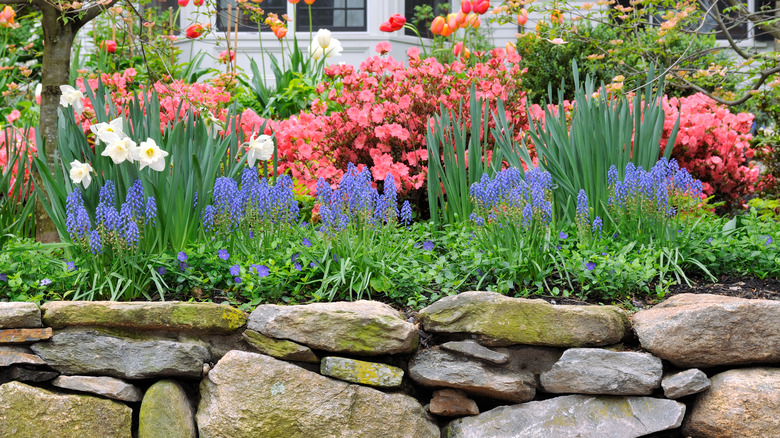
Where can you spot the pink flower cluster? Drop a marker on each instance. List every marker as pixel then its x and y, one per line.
pixel 19 142
pixel 377 116
pixel 713 144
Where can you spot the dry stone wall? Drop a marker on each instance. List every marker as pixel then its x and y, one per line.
pixel 478 364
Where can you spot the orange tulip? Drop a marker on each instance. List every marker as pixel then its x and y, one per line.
pixel 446 31
pixel 461 18
pixel 556 17
pixel 280 32
pixel 7 16
pixel 452 21
pixel 308 2
pixel 437 25
pixel 523 17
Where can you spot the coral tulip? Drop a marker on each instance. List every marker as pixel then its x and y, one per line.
pixel 280 32
pixel 7 16
pixel 465 6
pixel 480 6
pixel 459 50
pixel 308 2
pixel 461 18
pixel 437 25
pixel 194 30
pixel 295 2
pixel 109 46
pixel 446 31
pixel 452 21
pixel 523 17
pixel 183 3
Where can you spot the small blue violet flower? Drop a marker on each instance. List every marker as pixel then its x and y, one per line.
pixel 590 266
pixel 223 254
pixel 306 242
pixel 182 256
pixel 45 282
pixel 235 270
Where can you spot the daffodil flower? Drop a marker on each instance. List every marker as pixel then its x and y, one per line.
pixel 80 173
pixel 108 132
pixel 120 149
pixel 72 97
pixel 260 148
pixel 149 154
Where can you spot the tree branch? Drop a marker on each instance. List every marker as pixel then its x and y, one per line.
pixel 763 76
pixel 92 12
pixel 15 2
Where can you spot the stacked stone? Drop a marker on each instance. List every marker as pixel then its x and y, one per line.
pixel 356 369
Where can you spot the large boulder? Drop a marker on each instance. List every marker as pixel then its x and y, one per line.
pixel 436 367
pixel 701 330
pixel 166 412
pixel 360 327
pixel 19 315
pixel 740 403
pixel 503 321
pixel 168 315
pixel 572 416
pixel 90 352
pixel 27 411
pixel 599 371
pixel 252 395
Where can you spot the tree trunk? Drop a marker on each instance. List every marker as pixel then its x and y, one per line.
pixel 55 71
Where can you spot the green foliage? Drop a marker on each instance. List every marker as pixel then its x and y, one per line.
pixel 603 132
pixel 17 200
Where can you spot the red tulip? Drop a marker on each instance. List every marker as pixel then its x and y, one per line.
pixel 465 6
pixel 480 6
pixel 386 27
pixel 523 17
pixel 109 46
pixel 194 30
pixel 397 20
pixel 183 3
pixel 197 2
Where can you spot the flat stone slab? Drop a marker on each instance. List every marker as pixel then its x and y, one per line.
pixel 683 383
pixel 30 412
pixel 504 321
pixel 15 355
pixel 250 395
pixel 740 403
pixel 280 349
pixel 106 386
pixel 23 374
pixel 20 336
pixel 703 330
pixel 598 371
pixel 361 372
pixel 169 315
pixel 572 416
pixel 166 412
pixel 477 351
pixel 366 328
pixel 452 403
pixel 436 367
pixel 19 315
pixel 89 352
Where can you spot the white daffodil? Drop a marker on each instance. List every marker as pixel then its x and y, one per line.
pixel 80 173
pixel 260 148
pixel 72 97
pixel 120 149
pixel 108 132
pixel 325 45
pixel 149 154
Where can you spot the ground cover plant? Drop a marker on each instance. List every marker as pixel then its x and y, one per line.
pixel 397 181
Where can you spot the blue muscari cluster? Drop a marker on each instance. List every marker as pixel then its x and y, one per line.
pixel 254 202
pixel 121 229
pixel 652 189
pixel 510 193
pixel 355 201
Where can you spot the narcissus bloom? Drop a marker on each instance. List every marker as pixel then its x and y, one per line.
pixel 260 148
pixel 80 173
pixel 149 154
pixel 72 97
pixel 109 46
pixel 120 149
pixel 107 132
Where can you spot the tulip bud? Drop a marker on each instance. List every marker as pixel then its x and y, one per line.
pixel 437 25
pixel 465 6
pixel 523 17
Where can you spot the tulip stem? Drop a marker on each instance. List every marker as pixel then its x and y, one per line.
pixel 416 32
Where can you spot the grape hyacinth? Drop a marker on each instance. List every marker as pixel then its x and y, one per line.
pixel 524 200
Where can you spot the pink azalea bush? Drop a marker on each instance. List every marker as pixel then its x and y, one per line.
pixel 377 116
pixel 713 144
pixel 7 152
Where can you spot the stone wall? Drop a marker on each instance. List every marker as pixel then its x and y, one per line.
pixel 478 364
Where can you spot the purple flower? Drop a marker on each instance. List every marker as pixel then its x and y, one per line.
pixel 298 266
pixel 237 280
pixel 313 264
pixel 3 277
pixel 709 240
pixel 235 270
pixel 70 266
pixel 428 245
pixel 251 234
pixel 306 242
pixel 183 266
pixel 161 270
pixel 262 271
pixel 294 257
pixel 768 241
pixel 223 254
pixel 182 256
pixel 45 282
pixel 563 236
pixel 590 266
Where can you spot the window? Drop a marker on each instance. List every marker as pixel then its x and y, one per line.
pixel 738 31
pixel 438 7
pixel 334 15
pixel 245 23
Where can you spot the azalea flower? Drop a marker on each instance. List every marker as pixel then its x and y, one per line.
pixel 260 148
pixel 149 154
pixel 80 173
pixel 107 132
pixel 72 97
pixel 325 45
pixel 120 149
pixel 557 41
